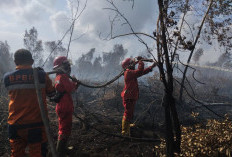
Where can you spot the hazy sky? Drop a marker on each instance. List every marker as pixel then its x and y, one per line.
pixel 52 19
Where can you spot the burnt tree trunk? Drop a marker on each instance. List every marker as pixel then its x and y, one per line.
pixel 171 116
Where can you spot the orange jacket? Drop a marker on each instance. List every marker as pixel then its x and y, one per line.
pixel 64 84
pixel 131 89
pixel 23 105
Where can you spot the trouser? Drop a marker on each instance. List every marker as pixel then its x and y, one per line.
pixel 128 115
pixel 32 136
pixel 65 127
pixel 65 124
pixel 129 105
pixel 61 147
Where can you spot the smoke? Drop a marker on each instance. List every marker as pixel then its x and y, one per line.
pixel 223 61
pixel 100 68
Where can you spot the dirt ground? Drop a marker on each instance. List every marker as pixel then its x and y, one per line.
pixel 96 130
pixel 102 123
pixel 100 132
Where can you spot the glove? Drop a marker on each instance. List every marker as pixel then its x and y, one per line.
pixel 57 97
pixel 139 58
pixel 74 79
pixel 154 64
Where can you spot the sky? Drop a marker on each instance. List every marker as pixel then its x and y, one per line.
pixel 52 19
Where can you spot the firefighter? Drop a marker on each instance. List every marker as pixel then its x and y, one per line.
pixel 25 126
pixel 130 92
pixel 64 108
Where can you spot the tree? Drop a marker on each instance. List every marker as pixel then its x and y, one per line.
pixel 84 66
pixel 197 55
pixel 112 60
pixel 164 62
pixel 34 45
pixel 216 27
pixel 97 65
pixel 6 60
pixel 75 15
pixel 170 36
pixel 219 22
pixel 100 68
pixel 54 49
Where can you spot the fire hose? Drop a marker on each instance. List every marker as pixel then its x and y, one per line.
pixel 43 112
pixel 122 72
pixel 103 85
pixel 42 107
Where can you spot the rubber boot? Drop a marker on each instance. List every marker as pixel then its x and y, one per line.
pixel 61 147
pixel 125 128
pixel 128 128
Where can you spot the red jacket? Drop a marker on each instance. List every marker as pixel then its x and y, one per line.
pixel 64 84
pixel 131 89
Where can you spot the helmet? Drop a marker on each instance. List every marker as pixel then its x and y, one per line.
pixel 126 63
pixel 59 61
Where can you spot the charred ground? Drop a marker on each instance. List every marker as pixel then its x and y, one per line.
pixel 98 114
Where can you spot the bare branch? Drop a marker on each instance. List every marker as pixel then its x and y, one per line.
pixel 204 104
pixel 115 9
pixel 115 135
pixel 190 29
pixel 73 24
pixel 194 45
pixel 187 82
pixel 194 70
pixel 60 41
pixel 181 26
pixel 79 37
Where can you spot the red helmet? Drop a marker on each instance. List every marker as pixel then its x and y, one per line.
pixel 58 61
pixel 126 63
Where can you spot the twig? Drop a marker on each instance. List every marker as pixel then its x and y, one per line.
pixel 189 28
pixel 131 28
pixel 60 41
pixel 200 102
pixel 194 45
pixel 115 135
pixel 2 121
pixel 137 33
pixel 181 26
pixel 73 24
pixel 149 105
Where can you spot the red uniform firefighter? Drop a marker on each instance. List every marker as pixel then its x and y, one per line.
pixel 130 92
pixel 64 107
pixel 25 124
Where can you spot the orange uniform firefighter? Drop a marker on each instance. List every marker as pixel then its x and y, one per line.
pixel 26 128
pixel 64 108
pixel 130 92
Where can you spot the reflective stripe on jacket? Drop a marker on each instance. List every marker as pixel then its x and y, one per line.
pixel 131 89
pixel 23 105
